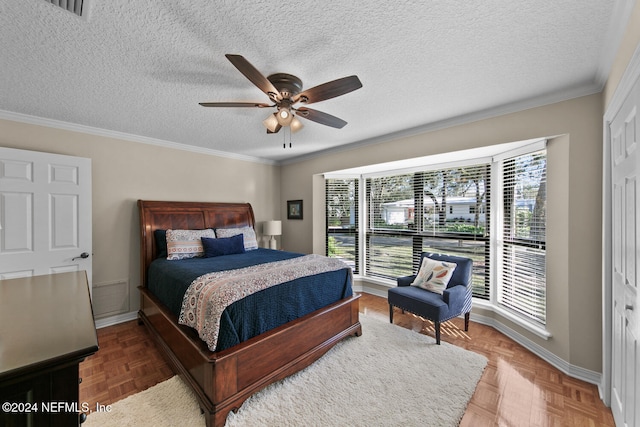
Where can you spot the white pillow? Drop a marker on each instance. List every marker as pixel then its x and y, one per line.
pixel 250 240
pixel 434 275
pixel 182 244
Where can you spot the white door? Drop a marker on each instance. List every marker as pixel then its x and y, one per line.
pixel 625 167
pixel 45 213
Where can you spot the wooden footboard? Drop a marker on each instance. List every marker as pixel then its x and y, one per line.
pixel 223 380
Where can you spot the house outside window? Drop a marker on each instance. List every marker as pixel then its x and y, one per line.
pixel 427 211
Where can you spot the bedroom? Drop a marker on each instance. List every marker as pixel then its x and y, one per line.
pixel 121 177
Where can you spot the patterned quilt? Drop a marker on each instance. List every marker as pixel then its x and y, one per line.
pixel 209 295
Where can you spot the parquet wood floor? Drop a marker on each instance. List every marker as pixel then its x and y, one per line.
pixel 517 388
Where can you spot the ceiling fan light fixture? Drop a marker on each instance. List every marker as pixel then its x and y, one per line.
pixel 284 116
pixel 271 122
pixel 296 125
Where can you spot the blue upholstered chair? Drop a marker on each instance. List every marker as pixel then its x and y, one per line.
pixel 454 301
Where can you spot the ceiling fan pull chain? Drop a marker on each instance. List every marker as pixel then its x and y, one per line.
pixel 284 138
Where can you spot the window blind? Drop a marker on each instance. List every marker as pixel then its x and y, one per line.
pixel 342 220
pixel 443 210
pixel 522 270
pixel 390 222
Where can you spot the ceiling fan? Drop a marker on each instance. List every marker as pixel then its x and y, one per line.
pixel 284 91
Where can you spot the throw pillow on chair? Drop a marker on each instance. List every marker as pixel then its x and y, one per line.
pixel 441 290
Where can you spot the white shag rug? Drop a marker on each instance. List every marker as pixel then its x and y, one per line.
pixel 389 376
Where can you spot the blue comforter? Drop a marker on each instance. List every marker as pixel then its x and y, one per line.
pixel 256 313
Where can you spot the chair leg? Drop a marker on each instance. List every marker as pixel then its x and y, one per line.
pixel 437 327
pixel 390 313
pixel 466 321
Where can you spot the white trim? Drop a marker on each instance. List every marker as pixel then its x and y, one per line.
pixel 365 285
pixel 435 160
pixel 607 291
pixel 339 175
pixel 538 145
pixel 429 166
pixel 529 326
pixel 564 366
pixel 373 286
pixel 630 76
pixel 58 124
pixel 363 208
pixel 538 101
pixel 559 363
pixel 114 320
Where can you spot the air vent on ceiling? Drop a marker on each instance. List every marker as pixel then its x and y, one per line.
pixel 74 6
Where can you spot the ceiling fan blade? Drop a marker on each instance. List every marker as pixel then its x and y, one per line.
pixel 235 104
pixel 320 117
pixel 254 75
pixel 329 90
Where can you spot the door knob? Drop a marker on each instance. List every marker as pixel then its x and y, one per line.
pixel 628 307
pixel 83 255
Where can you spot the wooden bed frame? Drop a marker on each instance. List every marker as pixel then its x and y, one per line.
pixel 223 380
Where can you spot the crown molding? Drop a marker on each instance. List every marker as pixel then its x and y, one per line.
pixel 539 101
pixel 501 110
pixel 58 124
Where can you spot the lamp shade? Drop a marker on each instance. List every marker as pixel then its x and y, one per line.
pixel 296 125
pixel 272 228
pixel 271 123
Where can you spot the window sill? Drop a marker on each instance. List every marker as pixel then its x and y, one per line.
pixel 529 326
pixel 480 303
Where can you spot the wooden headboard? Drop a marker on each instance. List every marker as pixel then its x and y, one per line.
pixel 160 215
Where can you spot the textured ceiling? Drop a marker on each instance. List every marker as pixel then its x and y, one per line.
pixel 140 67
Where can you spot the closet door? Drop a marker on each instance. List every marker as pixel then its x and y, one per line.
pixel 625 381
pixel 45 213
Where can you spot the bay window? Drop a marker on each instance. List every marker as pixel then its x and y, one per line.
pixel 381 222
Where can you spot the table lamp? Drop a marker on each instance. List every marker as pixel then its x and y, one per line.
pixel 272 228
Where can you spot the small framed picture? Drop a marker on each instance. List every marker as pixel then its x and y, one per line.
pixel 294 209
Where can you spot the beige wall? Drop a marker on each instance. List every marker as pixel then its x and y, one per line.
pixel 125 171
pixel 574 208
pixel 629 44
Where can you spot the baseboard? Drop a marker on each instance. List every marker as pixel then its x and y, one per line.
pixel 573 371
pixel 577 372
pixel 114 320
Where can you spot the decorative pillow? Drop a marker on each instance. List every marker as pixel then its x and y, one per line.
pixel 250 240
pixel 182 244
pixel 223 245
pixel 434 275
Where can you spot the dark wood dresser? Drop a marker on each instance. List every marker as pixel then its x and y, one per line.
pixel 46 330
